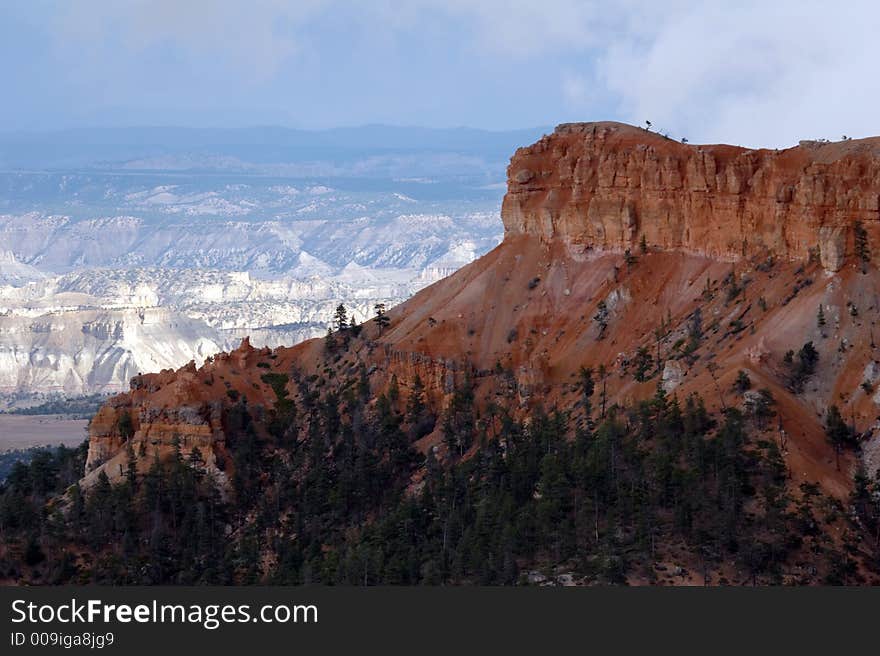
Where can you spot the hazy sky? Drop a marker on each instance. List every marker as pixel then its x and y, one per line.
pixel 757 73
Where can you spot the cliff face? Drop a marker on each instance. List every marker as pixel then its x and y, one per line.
pixel 701 310
pixel 521 322
pixel 607 185
pixel 182 409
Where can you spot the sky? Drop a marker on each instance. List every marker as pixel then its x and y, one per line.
pixel 753 73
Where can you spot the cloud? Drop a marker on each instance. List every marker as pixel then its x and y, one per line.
pixel 752 72
pixel 253 38
pixel 268 32
pixel 524 28
pixel 575 91
pixel 759 73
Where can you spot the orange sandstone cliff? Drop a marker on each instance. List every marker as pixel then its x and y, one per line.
pixel 753 241
pixel 605 185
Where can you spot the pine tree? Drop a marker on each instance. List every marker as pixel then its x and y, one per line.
pixel 330 339
pixel 382 319
pixel 196 459
pixel 837 431
pixel 363 387
pixel 353 326
pixel 415 405
pixel 643 362
pixel 125 426
pixel 458 424
pixel 742 382
pixel 861 243
pixel 807 359
pixel 601 319
pixel 340 318
pixel 603 376
pixel 695 330
pixel 588 387
pixel 131 470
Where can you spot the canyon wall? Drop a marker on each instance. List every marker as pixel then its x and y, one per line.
pixel 520 322
pixel 606 185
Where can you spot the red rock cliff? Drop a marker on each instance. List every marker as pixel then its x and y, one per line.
pixel 605 185
pixel 521 321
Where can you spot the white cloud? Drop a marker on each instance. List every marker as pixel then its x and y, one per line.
pixel 522 28
pixel 575 91
pixel 254 38
pixel 753 72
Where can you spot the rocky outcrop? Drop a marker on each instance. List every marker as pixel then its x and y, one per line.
pixel 608 185
pixel 517 327
pixel 183 409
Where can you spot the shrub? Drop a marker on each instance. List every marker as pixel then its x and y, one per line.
pixel 804 367
pixel 742 382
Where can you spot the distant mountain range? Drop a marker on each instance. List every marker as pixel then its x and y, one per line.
pixel 343 151
pixel 116 243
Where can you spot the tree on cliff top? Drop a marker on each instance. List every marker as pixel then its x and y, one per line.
pixel 340 318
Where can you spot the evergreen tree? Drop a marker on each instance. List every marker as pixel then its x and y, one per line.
pixel 588 387
pixel 601 319
pixel 393 389
pixel 382 319
pixel 807 359
pixel 340 318
pixel 125 426
pixel 760 407
pixel 837 431
pixel 642 363
pixel 603 397
pixel 458 423
pixel 863 251
pixel 330 340
pixel 742 382
pixel 651 481
pixel 131 467
pixel 417 411
pixel 695 330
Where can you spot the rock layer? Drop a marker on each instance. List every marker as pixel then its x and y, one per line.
pixel 608 185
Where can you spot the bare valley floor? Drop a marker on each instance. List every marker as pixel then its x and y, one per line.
pixel 24 431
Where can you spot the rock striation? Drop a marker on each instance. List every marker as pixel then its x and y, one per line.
pixel 608 185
